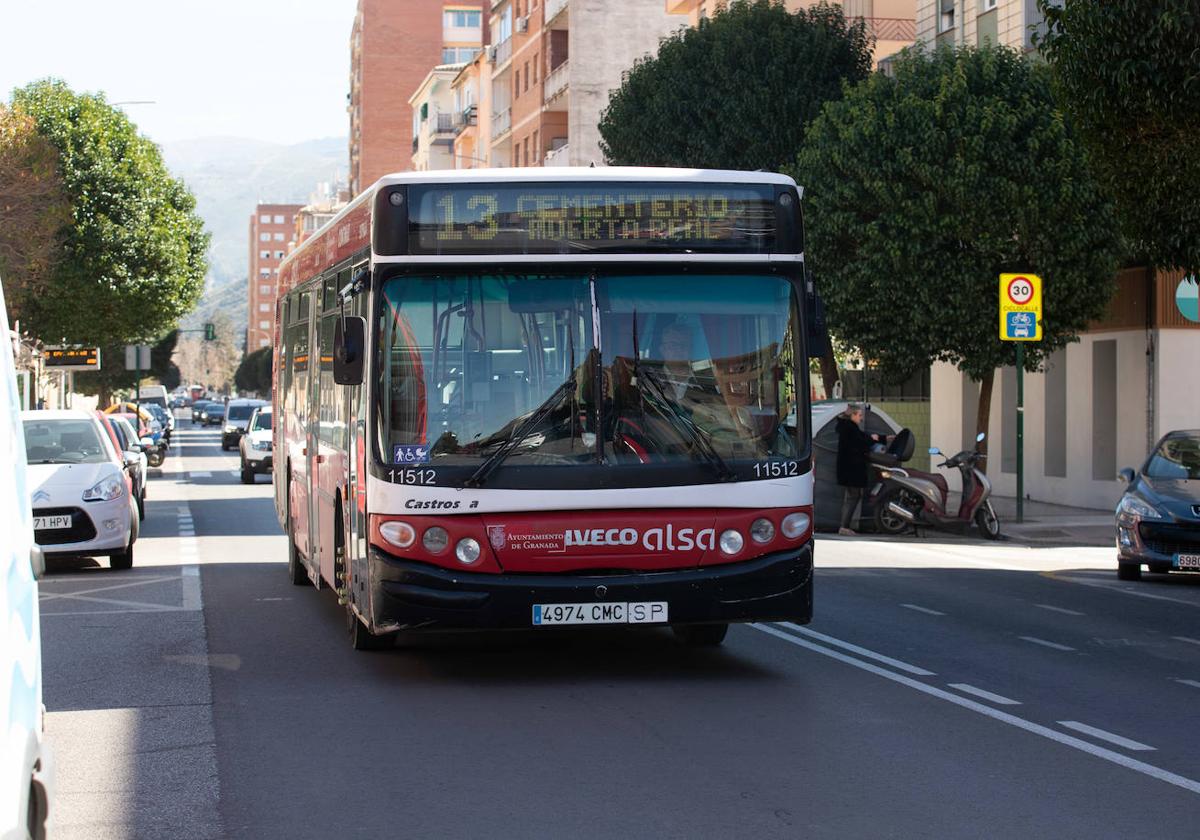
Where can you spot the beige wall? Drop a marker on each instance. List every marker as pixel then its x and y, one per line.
pixel 1014 17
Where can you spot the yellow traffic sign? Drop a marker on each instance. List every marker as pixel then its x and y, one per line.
pixel 1020 307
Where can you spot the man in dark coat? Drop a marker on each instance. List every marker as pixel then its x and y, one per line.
pixel 852 470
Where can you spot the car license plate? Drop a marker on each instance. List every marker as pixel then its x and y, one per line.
pixel 45 523
pixel 1187 561
pixel 633 612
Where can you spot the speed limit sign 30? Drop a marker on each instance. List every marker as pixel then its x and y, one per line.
pixel 1020 307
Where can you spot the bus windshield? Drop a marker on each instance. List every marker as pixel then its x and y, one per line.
pixel 624 369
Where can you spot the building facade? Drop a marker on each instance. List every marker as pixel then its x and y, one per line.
pixel 272 227
pixel 434 119
pixel 393 45
pixel 1100 403
pixel 473 111
pixel 1011 23
pixel 892 23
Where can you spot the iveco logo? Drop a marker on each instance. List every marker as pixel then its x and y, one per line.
pixel 41 496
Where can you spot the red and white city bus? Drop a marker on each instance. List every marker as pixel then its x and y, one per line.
pixel 542 397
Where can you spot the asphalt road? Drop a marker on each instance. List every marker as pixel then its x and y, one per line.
pixel 944 689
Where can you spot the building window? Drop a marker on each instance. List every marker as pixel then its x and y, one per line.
pixel 264 325
pixel 264 342
pixel 458 55
pixel 537 150
pixel 264 307
pixel 279 220
pixel 264 290
pixel 535 68
pixel 265 219
pixel 264 272
pixel 517 84
pixel 279 255
pixel 526 76
pixel 987 5
pixel 462 18
pixel 264 255
pixel 946 15
pixel 279 237
pixel 264 237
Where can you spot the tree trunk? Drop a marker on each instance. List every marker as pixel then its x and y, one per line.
pixel 829 373
pixel 983 414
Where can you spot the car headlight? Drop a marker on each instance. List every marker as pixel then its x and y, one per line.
pixel 104 490
pixel 1133 506
pixel 261 445
pixel 230 429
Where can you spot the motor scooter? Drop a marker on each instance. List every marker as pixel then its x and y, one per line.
pixel 905 497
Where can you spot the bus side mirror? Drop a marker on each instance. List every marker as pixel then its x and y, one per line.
pixel 349 346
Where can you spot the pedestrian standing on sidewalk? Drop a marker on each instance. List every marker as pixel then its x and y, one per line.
pixel 852 471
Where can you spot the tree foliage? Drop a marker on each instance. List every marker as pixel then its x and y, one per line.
pixel 133 260
pixel 737 92
pixel 33 209
pixel 254 373
pixel 1128 73
pixel 921 188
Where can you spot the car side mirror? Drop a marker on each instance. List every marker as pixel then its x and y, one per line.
pixel 1126 476
pixel 349 345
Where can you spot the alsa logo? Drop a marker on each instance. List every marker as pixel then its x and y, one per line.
pixel 653 539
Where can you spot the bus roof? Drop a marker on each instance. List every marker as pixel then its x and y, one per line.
pixel 331 237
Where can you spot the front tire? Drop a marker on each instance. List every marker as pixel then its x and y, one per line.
pixel 987 521
pixel 296 571
pixel 247 473
pixel 700 635
pixel 1129 571
pixel 361 638
pixel 155 459
pixel 123 561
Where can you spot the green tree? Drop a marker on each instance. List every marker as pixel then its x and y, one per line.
pixel 33 210
pixel 1128 74
pixel 737 92
pixel 254 372
pixel 923 186
pixel 133 248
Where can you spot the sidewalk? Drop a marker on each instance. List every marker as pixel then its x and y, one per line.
pixel 1048 524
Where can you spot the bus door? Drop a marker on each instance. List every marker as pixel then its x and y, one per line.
pixel 298 401
pixel 326 442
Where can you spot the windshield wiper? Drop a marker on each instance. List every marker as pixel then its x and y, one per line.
pixel 693 432
pixel 519 434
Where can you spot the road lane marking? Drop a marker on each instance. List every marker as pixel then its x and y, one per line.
pixel 199 474
pixel 191 588
pixel 1116 587
pixel 925 610
pixel 986 695
pixel 870 654
pixel 1105 736
pixel 52 596
pixel 1062 610
pixel 1186 639
pixel 1190 785
pixel 1044 643
pixel 1192 683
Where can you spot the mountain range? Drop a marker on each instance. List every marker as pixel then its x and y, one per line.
pixel 229 176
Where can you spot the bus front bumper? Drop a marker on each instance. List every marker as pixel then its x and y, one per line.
pixel 409 595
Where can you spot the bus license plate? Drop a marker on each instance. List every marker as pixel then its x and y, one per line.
pixel 1187 561
pixel 634 612
pixel 45 523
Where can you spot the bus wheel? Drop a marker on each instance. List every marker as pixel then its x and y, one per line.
pixel 700 635
pixel 296 570
pixel 361 637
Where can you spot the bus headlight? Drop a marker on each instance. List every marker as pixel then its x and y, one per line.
pixel 762 531
pixel 399 534
pixel 731 542
pixel 795 525
pixel 435 540
pixel 467 551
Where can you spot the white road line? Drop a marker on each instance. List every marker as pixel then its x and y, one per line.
pixel 870 654
pixel 1186 639
pixel 1062 610
pixel 1190 785
pixel 191 588
pixel 1192 683
pixel 1044 643
pixel 1105 736
pixel 925 610
pixel 1120 589
pixel 199 474
pixel 986 695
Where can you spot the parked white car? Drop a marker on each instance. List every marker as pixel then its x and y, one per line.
pixel 82 497
pixel 255 445
pixel 24 757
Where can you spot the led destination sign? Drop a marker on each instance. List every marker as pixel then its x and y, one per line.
pixel 595 216
pixel 72 358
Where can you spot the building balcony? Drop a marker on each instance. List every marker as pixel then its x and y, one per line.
pixel 890 29
pixel 554 8
pixel 500 54
pixel 444 124
pixel 468 117
pixel 557 157
pixel 501 123
pixel 557 82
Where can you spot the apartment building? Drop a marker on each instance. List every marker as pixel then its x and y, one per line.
pixel 892 23
pixel 974 22
pixel 393 45
pixel 473 111
pixel 434 119
pixel 272 227
pixel 323 204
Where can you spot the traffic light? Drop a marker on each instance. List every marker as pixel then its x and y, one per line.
pixel 210 332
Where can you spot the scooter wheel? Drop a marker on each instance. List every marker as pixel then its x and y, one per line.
pixel 987 522
pixel 887 522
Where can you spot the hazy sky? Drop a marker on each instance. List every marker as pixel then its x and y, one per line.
pixel 267 69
